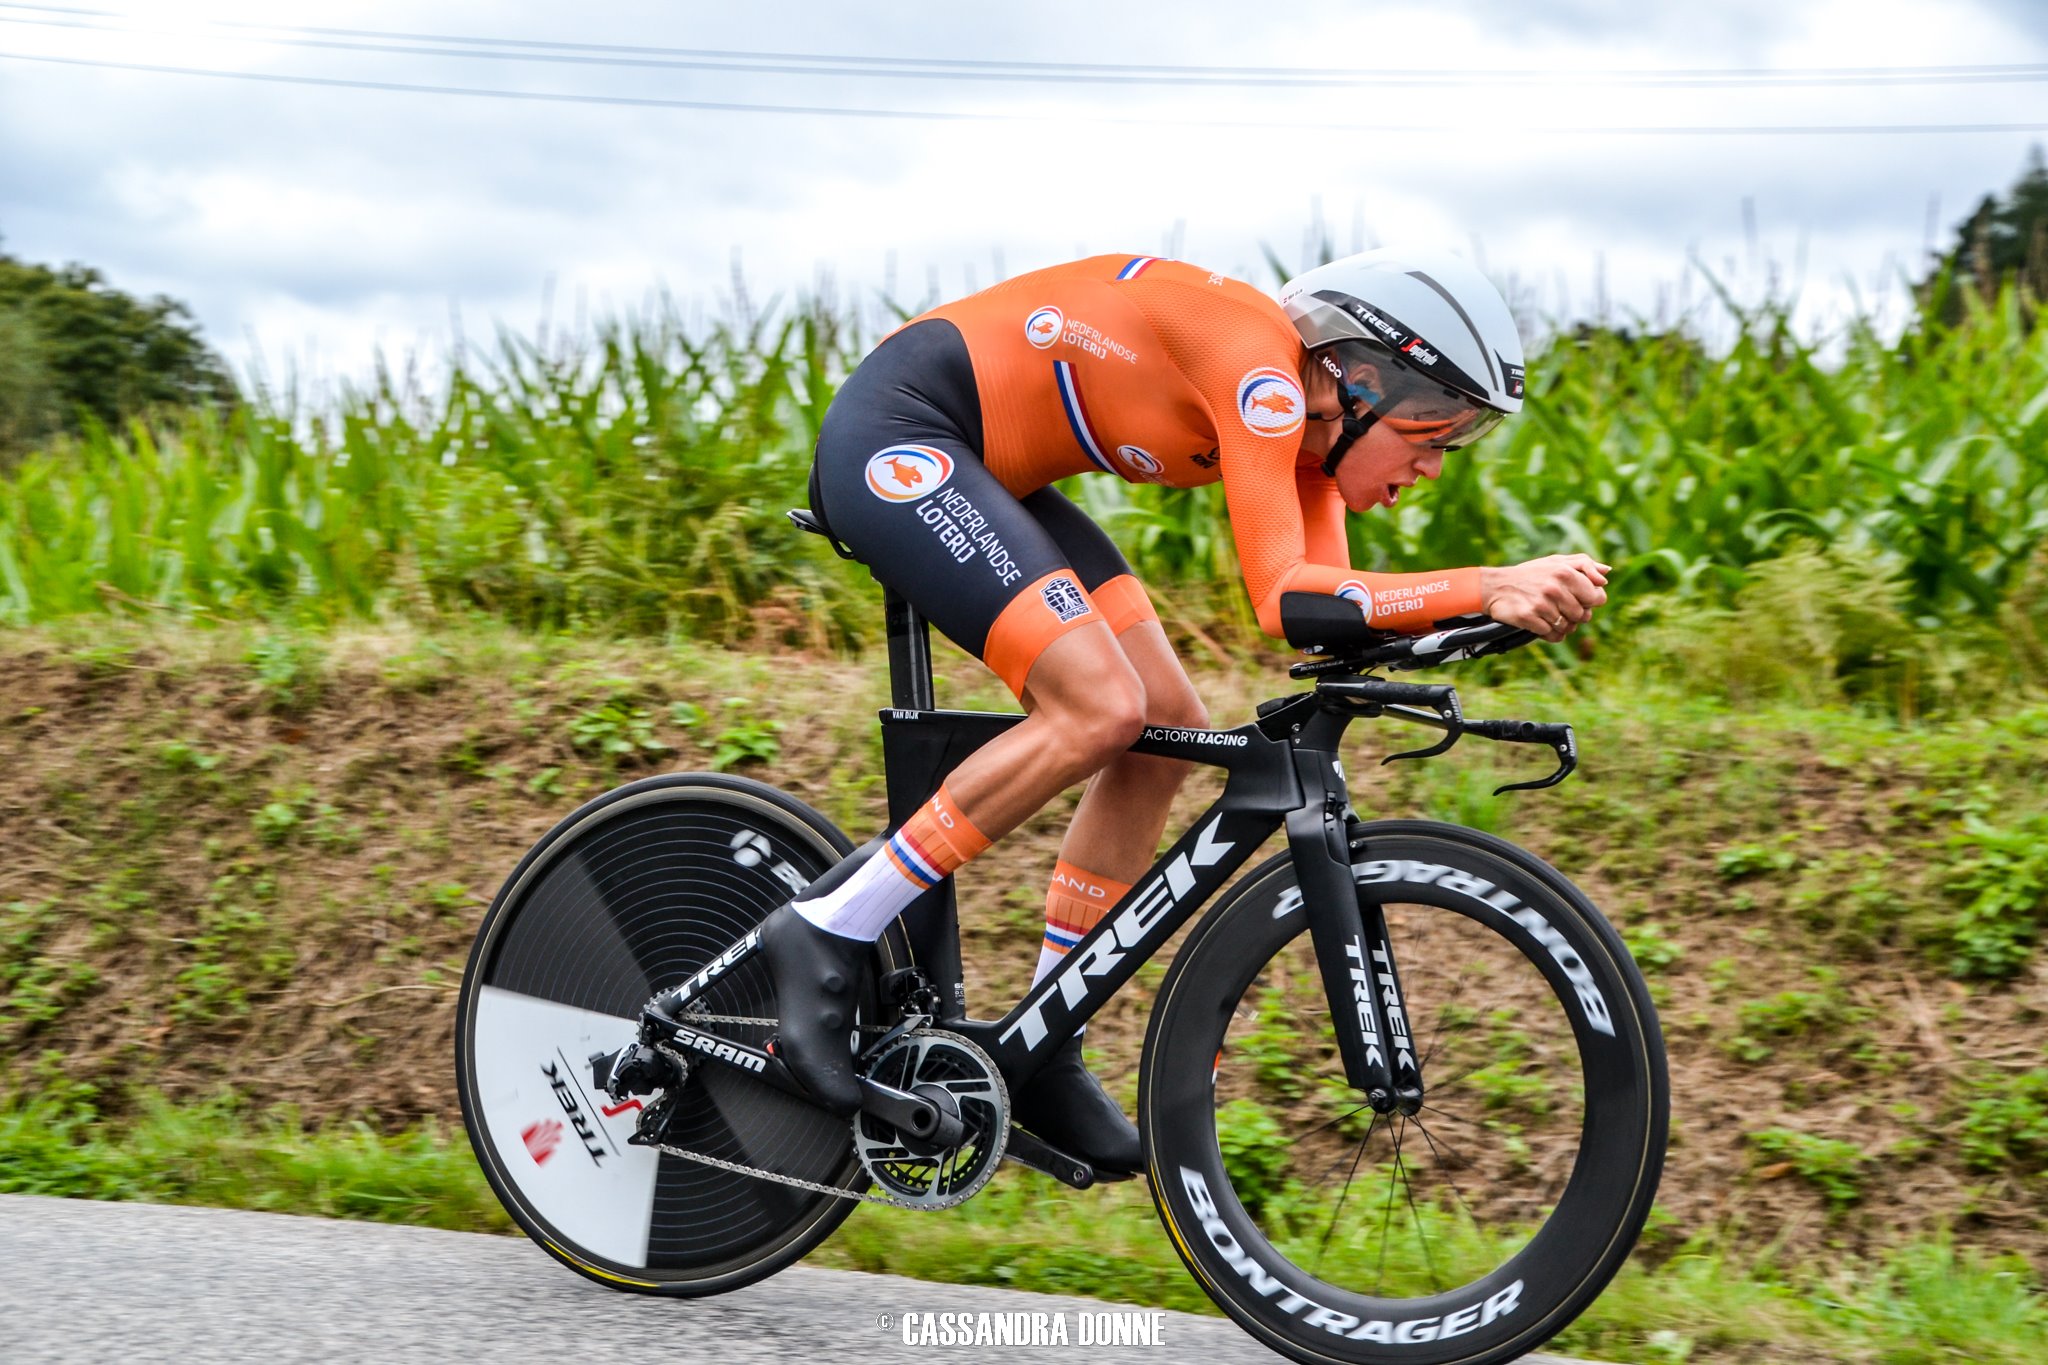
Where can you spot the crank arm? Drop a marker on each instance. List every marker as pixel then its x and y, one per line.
pixel 1028 1150
pixel 1558 737
pixel 911 1115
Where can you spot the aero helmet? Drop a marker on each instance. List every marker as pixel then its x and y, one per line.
pixel 1439 340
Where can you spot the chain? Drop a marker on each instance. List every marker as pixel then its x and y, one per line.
pixel 816 1187
pixel 693 1019
pixel 798 1181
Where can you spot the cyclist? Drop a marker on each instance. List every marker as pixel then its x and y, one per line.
pixel 934 466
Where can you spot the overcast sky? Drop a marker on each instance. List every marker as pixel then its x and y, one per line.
pixel 317 223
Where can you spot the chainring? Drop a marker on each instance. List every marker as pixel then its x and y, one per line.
pixel 954 1073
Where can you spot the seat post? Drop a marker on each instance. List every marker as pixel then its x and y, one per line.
pixel 910 654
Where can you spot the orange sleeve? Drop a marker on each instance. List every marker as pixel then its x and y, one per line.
pixel 1322 517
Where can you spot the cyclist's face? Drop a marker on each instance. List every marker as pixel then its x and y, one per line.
pixel 1380 463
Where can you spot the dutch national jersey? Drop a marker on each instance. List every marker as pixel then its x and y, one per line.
pixel 1157 371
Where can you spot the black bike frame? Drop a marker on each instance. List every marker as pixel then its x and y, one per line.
pixel 1283 768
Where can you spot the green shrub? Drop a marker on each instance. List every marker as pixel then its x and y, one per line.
pixel 2001 878
pixel 1835 1168
pixel 2005 1122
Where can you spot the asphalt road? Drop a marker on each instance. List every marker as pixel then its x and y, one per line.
pixel 94 1282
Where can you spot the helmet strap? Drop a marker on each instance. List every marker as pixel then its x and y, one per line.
pixel 1355 426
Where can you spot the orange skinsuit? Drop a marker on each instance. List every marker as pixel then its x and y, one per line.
pixel 1161 372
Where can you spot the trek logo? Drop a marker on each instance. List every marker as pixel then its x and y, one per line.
pixel 1042 329
pixel 580 1121
pixel 1394 1331
pixel 1361 1000
pixel 541 1139
pixel 724 1051
pixel 907 473
pixel 1396 335
pixel 1270 402
pixel 716 967
pixel 1397 1015
pixel 1146 904
pixel 1509 904
pixel 1511 379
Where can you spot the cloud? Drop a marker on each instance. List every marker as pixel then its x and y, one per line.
pixel 306 215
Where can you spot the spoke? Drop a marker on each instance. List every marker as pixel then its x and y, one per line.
pixel 1457 1118
pixel 1436 1034
pixel 1465 1203
pixel 1339 1119
pixel 1330 1169
pixel 1408 1187
pixel 1342 1195
pixel 1386 1216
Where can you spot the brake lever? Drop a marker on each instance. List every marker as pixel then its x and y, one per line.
pixel 1556 735
pixel 1453 726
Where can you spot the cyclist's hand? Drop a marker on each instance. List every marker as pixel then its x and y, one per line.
pixel 1550 597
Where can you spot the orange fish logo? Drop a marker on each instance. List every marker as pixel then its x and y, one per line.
pixel 1042 329
pixel 1274 401
pixel 907 473
pixel 1269 400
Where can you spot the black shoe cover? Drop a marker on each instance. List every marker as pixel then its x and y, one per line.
pixel 818 978
pixel 1067 1106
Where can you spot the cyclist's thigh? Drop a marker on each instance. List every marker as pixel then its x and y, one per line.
pixel 1105 575
pixel 910 497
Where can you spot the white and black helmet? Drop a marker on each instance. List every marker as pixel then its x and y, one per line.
pixel 1427 322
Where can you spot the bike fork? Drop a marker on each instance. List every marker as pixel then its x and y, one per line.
pixel 1353 951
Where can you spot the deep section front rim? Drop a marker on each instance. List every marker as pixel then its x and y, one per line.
pixel 1475 1272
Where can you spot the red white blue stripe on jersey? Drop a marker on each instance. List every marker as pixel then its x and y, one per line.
pixel 911 861
pixel 1077 415
pixel 1135 267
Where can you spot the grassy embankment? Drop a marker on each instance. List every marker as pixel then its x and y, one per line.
pixel 250 861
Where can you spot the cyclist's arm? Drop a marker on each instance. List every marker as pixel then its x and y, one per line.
pixel 1273 541
pixel 1322 517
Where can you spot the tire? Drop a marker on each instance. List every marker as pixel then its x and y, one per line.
pixel 629 895
pixel 1470 1233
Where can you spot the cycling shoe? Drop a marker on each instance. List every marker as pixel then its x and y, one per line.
pixel 818 977
pixel 1067 1106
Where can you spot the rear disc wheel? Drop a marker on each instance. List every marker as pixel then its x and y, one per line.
pixel 630 895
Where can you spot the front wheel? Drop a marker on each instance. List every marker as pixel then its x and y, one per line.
pixel 1469 1232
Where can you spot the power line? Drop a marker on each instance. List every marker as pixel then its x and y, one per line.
pixel 944 116
pixel 956 69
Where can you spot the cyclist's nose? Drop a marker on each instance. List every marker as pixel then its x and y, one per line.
pixel 1431 465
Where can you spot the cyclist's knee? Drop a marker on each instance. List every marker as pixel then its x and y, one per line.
pixel 1092 696
pixel 1178 707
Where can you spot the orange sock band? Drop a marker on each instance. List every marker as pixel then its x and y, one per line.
pixel 1076 902
pixel 942 835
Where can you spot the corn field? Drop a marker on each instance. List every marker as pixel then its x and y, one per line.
pixel 636 482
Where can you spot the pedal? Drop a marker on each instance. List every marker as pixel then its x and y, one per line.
pixel 1046 1159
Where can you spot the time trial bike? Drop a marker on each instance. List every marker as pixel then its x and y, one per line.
pixel 1402 1093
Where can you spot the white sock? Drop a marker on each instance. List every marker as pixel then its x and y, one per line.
pixel 879 890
